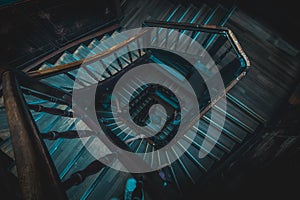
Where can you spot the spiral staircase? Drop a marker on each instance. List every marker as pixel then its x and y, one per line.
pixel 46 90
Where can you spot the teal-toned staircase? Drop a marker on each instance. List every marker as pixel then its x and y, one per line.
pixel 242 119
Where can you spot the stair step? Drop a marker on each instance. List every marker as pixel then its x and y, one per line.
pixel 201 165
pixel 114 185
pixel 60 124
pixel 83 52
pixel 6 161
pixel 81 163
pixel 7 148
pixel 237 116
pixel 215 153
pixel 4 136
pixel 3 120
pixel 63 80
pixel 230 129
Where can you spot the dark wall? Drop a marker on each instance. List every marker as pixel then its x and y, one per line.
pixel 282 16
pixel 31 29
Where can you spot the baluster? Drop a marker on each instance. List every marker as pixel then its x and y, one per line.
pixel 193 34
pixel 192 40
pixel 89 72
pixel 93 168
pixel 225 53
pixel 43 96
pixel 208 40
pixel 217 45
pixel 129 54
pixel 118 60
pixel 48 90
pixel 53 135
pixel 73 78
pixel 104 67
pixel 54 111
pixel 177 39
pixel 139 47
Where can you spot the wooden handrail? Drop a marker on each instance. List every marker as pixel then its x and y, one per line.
pixel 76 64
pixel 205 28
pixel 36 172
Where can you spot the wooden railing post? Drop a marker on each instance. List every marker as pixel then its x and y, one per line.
pixel 36 172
